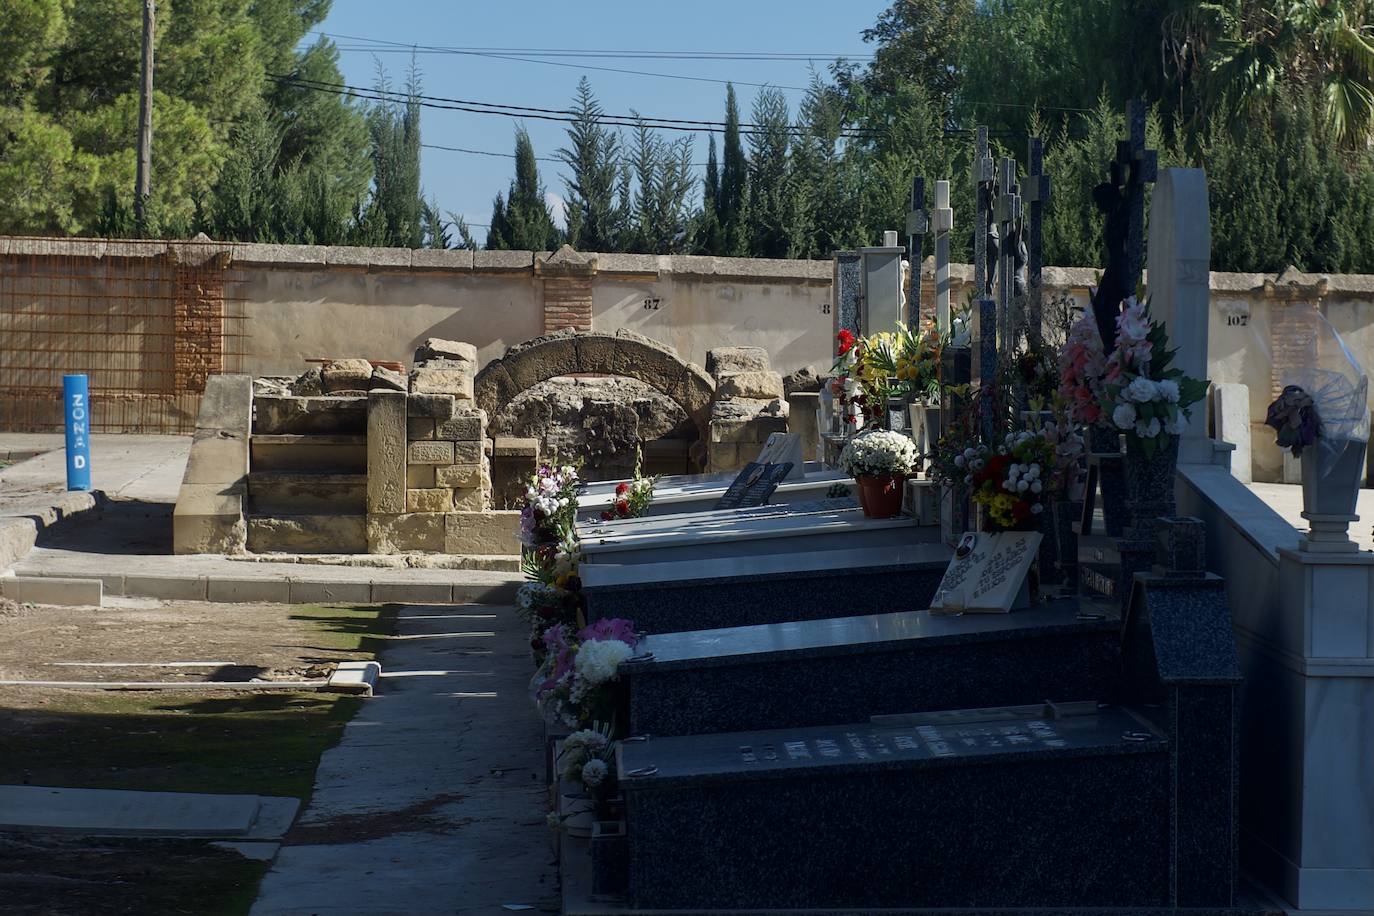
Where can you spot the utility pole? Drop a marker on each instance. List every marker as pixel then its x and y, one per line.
pixel 143 188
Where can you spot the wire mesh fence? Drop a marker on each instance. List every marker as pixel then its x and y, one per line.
pixel 147 322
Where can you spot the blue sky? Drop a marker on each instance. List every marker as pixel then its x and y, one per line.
pixel 466 183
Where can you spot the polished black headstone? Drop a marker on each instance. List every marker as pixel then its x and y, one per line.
pixel 821 672
pixel 1007 808
pixel 684 595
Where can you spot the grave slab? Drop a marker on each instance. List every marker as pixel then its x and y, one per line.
pixel 822 672
pixel 747 591
pixel 114 812
pixel 699 494
pixel 839 529
pixel 708 518
pixel 962 809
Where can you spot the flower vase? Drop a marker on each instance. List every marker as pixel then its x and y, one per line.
pixel 577 813
pixel 1331 475
pixel 1150 483
pixel 1105 446
pixel 881 497
pixel 610 859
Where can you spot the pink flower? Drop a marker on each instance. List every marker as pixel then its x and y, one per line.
pixel 615 628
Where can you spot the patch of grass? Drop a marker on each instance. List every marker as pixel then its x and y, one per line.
pixel 259 744
pixel 70 876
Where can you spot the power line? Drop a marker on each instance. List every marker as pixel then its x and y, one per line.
pixel 483 152
pixel 524 111
pixel 556 63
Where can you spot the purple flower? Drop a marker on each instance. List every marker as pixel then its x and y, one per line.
pixel 617 628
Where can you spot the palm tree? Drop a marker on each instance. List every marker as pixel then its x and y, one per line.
pixel 1326 45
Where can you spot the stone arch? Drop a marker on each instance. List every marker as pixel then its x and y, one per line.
pixel 623 353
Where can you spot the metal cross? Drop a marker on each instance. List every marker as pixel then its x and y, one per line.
pixel 1036 193
pixel 1134 167
pixel 982 185
pixel 1008 214
pixel 917 225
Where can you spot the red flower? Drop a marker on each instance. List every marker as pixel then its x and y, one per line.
pixel 847 340
pixel 1021 511
pixel 607 515
pixel 622 488
pixel 622 506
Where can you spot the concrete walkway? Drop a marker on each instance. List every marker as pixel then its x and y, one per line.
pixel 434 800
pixel 147 468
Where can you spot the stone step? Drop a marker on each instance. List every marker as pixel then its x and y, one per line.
pixel 322 533
pixel 328 453
pixel 306 493
pixel 286 414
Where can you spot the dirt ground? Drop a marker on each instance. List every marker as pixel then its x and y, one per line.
pixel 181 641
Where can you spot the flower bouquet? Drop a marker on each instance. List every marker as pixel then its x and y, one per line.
pixel 550 511
pixel 586 765
pixel 1142 395
pixel 577 683
pixel 1014 483
pixel 632 497
pixel 880 461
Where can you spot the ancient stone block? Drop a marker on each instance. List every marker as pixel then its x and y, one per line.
pixel 434 406
pixel 438 348
pixel 467 425
pixel 226 404
pixel 406 533
pixel 483 533
pixel 208 518
pixel 753 385
pixel 310 382
pixel 421 428
pixel 292 415
pixel 464 476
pixel 730 360
pixel 467 452
pixel 435 500
pixel 386 452
pixel 511 447
pixel 346 375
pixel 456 382
pixel 431 453
pixel 307 534
pixel 217 457
pixel 421 477
pixel 805 379
pixel 723 456
pixel 473 500
pixel 387 379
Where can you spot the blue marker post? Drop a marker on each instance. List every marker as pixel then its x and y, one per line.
pixel 77 407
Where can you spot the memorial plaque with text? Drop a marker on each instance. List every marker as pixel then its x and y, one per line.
pixel 988 572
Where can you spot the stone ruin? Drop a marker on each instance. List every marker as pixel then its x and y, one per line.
pixel 350 457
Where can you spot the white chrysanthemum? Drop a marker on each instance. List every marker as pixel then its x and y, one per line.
pixel 1022 486
pixel 1168 389
pixel 1037 508
pixel 587 739
pixel 1141 390
pixel 598 661
pixel 1124 416
pixel 594 773
pixel 1037 487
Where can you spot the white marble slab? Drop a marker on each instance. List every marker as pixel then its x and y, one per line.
pixel 700 494
pixel 600 488
pixel 758 536
pixel 707 518
pixel 599 575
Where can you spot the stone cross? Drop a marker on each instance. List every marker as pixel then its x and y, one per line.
pixel 1180 287
pixel 1122 200
pixel 943 220
pixel 1036 193
pixel 982 184
pixel 917 225
pixel 1008 214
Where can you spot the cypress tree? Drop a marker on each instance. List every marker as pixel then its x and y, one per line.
pixel 592 156
pixel 733 181
pixel 528 220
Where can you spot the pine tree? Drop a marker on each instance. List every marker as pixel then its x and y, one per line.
pixel 498 233
pixel 595 222
pixel 707 233
pixel 397 206
pixel 733 183
pixel 774 209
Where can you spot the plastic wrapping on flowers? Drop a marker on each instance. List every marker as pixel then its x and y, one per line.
pixel 1324 404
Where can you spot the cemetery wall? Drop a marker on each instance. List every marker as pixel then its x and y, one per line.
pixel 284 304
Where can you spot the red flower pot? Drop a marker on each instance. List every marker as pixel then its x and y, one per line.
pixel 881 497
